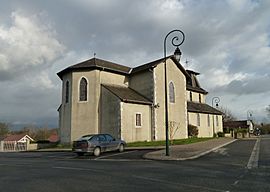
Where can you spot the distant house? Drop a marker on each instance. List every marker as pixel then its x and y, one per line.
pixel 20 138
pixel 243 124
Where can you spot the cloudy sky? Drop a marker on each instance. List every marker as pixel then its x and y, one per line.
pixel 227 41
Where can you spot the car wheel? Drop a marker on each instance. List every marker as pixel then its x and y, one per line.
pixel 97 151
pixel 121 148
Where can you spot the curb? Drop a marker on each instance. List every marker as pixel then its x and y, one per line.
pixel 192 157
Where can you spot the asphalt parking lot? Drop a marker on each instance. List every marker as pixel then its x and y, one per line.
pixel 126 155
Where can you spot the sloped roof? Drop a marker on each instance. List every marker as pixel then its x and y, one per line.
pixel 127 94
pixel 196 89
pixel 96 63
pixel 155 63
pixel 17 137
pixel 193 83
pixel 202 108
pixel 236 124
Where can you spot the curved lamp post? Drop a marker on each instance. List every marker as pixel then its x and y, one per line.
pixel 249 115
pixel 177 54
pixel 215 100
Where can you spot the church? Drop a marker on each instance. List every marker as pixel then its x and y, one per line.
pixel 101 96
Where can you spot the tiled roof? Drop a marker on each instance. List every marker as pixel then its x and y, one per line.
pixel 127 94
pixel 155 63
pixel 16 137
pixel 96 63
pixel 202 108
pixel 193 83
pixel 235 124
pixel 196 89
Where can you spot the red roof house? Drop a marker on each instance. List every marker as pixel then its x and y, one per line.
pixel 21 138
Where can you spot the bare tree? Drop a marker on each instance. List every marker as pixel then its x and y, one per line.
pixel 173 127
pixel 227 114
pixel 4 129
pixel 268 110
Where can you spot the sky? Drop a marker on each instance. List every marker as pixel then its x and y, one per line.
pixel 226 41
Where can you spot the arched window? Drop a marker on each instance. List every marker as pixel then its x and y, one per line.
pixel 208 120
pixel 83 89
pixel 171 93
pixel 67 92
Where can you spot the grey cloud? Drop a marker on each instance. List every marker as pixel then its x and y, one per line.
pixel 255 85
pixel 220 36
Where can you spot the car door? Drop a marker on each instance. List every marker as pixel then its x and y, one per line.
pixel 112 144
pixel 102 142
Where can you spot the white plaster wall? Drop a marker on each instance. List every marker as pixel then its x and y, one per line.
pixel 129 131
pixel 177 110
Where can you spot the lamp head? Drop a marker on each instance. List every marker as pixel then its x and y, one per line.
pixel 177 54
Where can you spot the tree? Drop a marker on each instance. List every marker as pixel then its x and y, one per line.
pixel 4 129
pixel 173 127
pixel 268 110
pixel 227 114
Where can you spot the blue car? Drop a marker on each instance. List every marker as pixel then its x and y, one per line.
pixel 97 143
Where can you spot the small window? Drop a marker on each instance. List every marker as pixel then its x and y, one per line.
pixel 198 120
pixel 171 93
pixel 83 89
pixel 208 120
pixel 67 92
pixel 217 121
pixel 138 119
pixel 190 96
pixel 200 98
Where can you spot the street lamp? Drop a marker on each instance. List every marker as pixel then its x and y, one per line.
pixel 249 115
pixel 177 54
pixel 216 100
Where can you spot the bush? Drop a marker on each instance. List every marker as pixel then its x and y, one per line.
pixel 43 141
pixel 192 130
pixel 265 129
pixel 220 134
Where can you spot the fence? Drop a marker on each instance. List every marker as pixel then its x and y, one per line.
pixel 8 146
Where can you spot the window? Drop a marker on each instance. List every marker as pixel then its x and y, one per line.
pixel 171 93
pixel 208 120
pixel 67 92
pixel 198 120
pixel 217 120
pixel 83 89
pixel 109 138
pixel 200 98
pixel 101 138
pixel 138 120
pixel 190 96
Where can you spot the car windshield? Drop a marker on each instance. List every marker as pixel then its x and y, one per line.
pixel 86 137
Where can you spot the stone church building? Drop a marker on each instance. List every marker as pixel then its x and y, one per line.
pixel 100 96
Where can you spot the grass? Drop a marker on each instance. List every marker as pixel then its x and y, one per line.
pixel 163 143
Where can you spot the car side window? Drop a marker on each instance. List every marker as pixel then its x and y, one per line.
pixel 101 138
pixel 109 138
pixel 95 138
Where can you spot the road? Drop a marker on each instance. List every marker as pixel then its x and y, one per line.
pixel 241 166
